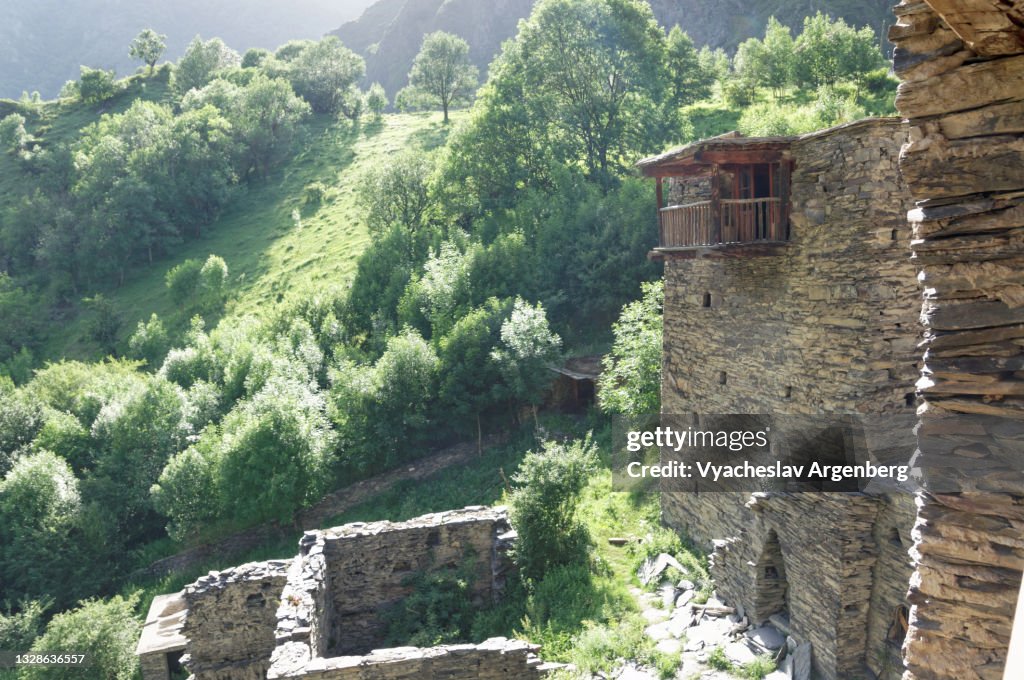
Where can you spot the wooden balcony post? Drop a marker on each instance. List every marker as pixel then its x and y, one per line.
pixel 716 205
pixel 661 217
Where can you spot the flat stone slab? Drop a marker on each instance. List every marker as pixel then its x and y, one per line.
pixel 659 631
pixel 767 636
pixel 709 631
pixel 633 673
pixel 669 646
pixel 740 653
pixel 654 615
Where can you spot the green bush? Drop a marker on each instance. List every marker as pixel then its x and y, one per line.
pixel 149 342
pixel 315 193
pixel 182 281
pixel 438 612
pixel 104 630
pixel 18 630
pixel 542 507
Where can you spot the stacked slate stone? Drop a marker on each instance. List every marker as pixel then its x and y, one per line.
pixel 231 619
pixel 962 67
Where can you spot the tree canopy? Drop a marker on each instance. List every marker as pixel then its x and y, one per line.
pixel 443 69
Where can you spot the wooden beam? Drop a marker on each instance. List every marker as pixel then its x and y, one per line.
pixel 739 156
pixel 716 205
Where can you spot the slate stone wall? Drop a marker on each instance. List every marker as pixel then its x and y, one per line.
pixel 826 326
pixel 961 64
pixel 231 620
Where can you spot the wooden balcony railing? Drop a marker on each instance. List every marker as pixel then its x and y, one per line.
pixel 686 225
pixel 752 220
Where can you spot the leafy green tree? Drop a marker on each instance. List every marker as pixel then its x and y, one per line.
pixel 829 51
pixel 39 507
pixel 105 322
pixel 149 342
pixel 631 381
pixel 443 69
pixel 376 100
pixel 182 281
pixel 383 412
pixel 202 59
pixel 275 455
pixel 188 492
pixel 105 630
pixel 254 57
pixel 18 630
pixel 96 85
pixel 779 56
pixel 397 192
pixel 325 74
pixel 264 119
pixel 19 317
pixel 13 136
pixel 136 434
pixel 213 279
pixel 440 295
pixel 689 82
pixel 714 63
pixel 596 72
pixel 148 46
pixel 469 376
pixel 527 351
pixel 64 433
pixel 21 417
pixel 542 507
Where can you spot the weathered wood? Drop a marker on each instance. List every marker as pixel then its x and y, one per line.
pixel 716 205
pixel 739 156
pixel 968 87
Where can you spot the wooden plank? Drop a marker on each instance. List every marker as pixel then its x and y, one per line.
pixel 716 205
pixel 739 156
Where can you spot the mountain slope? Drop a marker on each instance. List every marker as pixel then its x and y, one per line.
pixel 390 32
pixel 43 42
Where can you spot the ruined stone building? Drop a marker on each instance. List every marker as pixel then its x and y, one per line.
pixel 793 286
pixel 321 614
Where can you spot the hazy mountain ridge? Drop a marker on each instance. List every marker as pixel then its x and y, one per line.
pixel 389 33
pixel 43 42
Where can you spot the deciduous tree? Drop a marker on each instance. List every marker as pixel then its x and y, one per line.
pixel 148 46
pixel 443 69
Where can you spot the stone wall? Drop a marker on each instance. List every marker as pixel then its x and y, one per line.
pixel 828 325
pixel 961 63
pixel 346 579
pixel 231 620
pixel 495 659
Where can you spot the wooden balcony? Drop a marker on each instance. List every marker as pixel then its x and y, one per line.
pixel 728 222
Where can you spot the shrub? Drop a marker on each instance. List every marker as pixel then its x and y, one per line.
pixel 12 132
pixel 542 507
pixel 439 611
pixel 376 100
pixel 149 342
pixel 105 630
pixel 315 193
pixel 631 382
pixel 19 630
pixel 96 85
pixel 183 280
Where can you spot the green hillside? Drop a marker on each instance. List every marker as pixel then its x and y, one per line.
pixel 274 241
